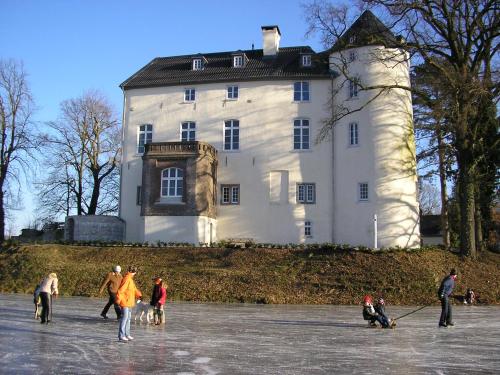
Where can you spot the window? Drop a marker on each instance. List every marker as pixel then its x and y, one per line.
pixel 353 89
pixel 306 60
pixel 238 61
pixel 353 134
pixel 301 91
pixel 352 56
pixel 308 228
pixel 188 131
pixel 232 135
pixel 363 191
pixel 301 134
pixel 232 92
pixel 172 183
pixel 145 135
pixel 230 194
pixel 138 197
pixel 197 64
pixel 306 193
pixel 189 95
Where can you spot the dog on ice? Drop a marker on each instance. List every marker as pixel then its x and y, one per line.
pixel 143 308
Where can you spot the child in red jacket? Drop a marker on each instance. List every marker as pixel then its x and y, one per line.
pixel 158 299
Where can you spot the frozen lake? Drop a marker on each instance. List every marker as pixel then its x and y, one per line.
pixel 246 339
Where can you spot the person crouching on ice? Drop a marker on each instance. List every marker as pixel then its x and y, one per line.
pixel 380 310
pixel 371 315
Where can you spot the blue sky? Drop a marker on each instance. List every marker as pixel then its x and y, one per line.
pixel 69 47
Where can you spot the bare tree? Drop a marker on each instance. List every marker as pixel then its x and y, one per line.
pixel 428 197
pixel 17 136
pixel 84 150
pixel 459 40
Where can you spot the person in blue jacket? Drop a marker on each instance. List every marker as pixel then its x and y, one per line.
pixel 444 293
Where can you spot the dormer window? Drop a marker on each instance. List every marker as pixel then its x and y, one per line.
pixel 197 64
pixel 306 60
pixel 238 61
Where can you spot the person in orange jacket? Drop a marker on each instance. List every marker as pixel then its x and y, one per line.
pixel 126 297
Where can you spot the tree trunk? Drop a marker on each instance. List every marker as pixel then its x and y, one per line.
pixel 445 224
pixel 478 221
pixel 2 215
pixel 466 194
pixel 464 143
pixel 95 194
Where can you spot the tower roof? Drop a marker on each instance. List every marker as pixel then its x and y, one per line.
pixel 366 30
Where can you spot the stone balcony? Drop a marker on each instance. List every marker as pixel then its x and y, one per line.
pixel 179 149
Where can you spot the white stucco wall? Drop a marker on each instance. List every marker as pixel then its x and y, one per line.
pixel 266 112
pixel 190 229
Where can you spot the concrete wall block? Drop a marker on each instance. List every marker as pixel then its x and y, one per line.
pixel 94 228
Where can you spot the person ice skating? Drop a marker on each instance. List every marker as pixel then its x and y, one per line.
pixel 126 297
pixel 158 299
pixel 470 297
pixel 370 314
pixel 48 288
pixel 112 282
pixel 444 293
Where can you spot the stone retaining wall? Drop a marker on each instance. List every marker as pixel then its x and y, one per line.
pixel 94 228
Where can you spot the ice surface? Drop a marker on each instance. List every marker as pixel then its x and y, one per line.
pixel 245 339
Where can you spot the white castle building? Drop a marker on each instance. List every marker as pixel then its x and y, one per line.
pixel 223 145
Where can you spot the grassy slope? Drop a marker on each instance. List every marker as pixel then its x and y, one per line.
pixel 255 275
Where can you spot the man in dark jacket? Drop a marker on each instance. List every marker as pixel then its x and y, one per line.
pixel 112 283
pixel 444 293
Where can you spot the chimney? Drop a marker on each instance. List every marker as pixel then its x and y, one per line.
pixel 271 38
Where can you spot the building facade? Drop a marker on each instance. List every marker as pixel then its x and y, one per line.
pixel 224 146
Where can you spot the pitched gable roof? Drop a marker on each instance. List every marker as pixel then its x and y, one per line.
pixel 177 70
pixel 366 30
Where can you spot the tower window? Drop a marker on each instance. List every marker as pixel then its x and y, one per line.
pixel 353 134
pixel 363 191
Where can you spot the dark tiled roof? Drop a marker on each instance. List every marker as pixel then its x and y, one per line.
pixel 177 70
pixel 368 30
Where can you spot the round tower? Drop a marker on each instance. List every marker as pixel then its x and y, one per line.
pixel 375 179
